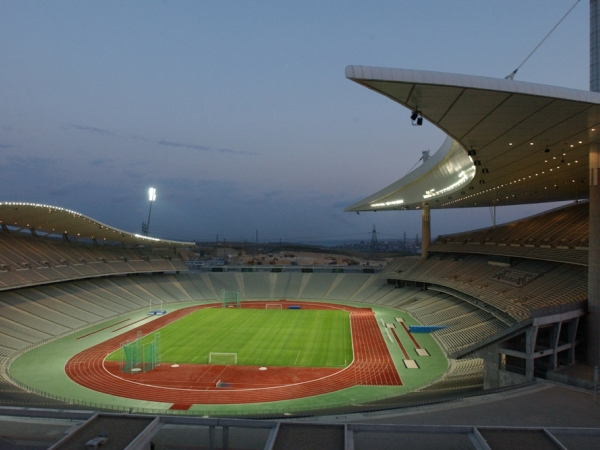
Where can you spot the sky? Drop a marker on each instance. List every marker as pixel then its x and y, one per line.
pixel 239 112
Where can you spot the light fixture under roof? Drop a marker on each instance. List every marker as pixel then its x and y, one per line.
pixel 416 118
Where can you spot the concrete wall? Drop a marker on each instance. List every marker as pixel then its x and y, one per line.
pixel 493 377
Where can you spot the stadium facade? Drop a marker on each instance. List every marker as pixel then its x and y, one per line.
pixel 509 143
pixel 509 303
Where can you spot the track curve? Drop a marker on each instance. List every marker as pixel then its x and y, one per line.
pixel 372 365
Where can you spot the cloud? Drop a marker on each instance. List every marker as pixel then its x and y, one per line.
pixel 100 162
pixel 4 146
pixel 140 138
pixel 346 201
pixel 235 152
pixel 40 173
pixel 272 194
pixel 181 145
pixel 32 161
pixel 203 148
pixel 63 191
pixel 96 130
pixel 342 218
pixel 162 142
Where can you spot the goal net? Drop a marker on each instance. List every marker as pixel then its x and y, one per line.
pixel 222 359
pixel 273 306
pixel 231 299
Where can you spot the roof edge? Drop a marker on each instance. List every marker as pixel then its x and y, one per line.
pixel 132 238
pixel 372 73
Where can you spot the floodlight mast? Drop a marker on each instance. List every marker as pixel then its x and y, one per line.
pixel 152 198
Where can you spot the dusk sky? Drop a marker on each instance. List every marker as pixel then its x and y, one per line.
pixel 239 113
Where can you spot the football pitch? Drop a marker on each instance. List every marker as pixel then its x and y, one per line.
pixel 263 337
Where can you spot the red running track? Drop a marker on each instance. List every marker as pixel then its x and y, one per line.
pixel 196 384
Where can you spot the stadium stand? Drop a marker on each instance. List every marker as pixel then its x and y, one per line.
pixel 258 286
pixel 461 374
pixel 559 235
pixel 466 323
pixel 345 286
pixel 315 286
pixel 27 261
pixel 541 284
pixel 50 288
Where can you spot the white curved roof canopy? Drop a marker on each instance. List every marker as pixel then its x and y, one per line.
pixel 60 221
pixel 445 172
pixel 530 141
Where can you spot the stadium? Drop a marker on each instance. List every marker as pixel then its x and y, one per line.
pixel 107 330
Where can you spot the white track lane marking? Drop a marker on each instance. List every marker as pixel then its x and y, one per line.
pixel 248 389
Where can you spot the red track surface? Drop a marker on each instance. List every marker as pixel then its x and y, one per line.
pixel 196 384
pixel 410 335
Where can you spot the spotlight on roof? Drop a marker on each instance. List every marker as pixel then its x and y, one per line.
pixel 547 150
pixel 414 116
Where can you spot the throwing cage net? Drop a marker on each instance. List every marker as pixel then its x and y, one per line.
pixel 230 299
pixel 141 357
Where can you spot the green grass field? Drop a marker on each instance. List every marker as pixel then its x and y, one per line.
pixel 269 337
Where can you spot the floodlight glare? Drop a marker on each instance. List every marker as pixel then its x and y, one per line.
pixel 152 198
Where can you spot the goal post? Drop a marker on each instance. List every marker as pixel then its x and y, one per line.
pixel 273 306
pixel 222 359
pixel 230 299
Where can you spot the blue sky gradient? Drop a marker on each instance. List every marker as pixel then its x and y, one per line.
pixel 239 113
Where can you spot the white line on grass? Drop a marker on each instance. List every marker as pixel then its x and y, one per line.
pixel 297 357
pixel 247 389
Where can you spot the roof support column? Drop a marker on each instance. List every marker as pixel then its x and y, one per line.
pixel 530 341
pixel 594 46
pixel 572 336
pixel 425 229
pixel 593 318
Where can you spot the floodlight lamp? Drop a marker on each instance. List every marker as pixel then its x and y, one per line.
pixel 152 194
pixel 414 116
pixel 419 121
